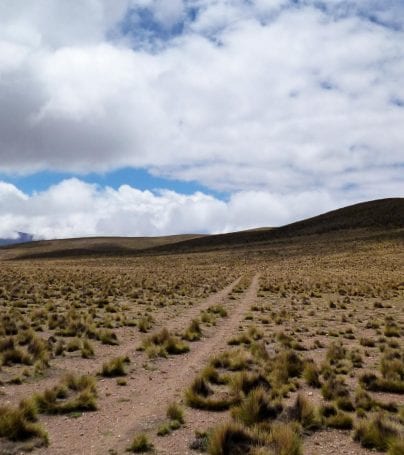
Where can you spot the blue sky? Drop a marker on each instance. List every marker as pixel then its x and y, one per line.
pixel 139 178
pixel 153 117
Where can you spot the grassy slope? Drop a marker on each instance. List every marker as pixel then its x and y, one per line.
pixel 384 217
pixel 365 219
pixel 89 246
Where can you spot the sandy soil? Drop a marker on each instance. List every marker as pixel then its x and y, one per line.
pixel 151 386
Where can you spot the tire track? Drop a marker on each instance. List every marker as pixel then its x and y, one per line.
pixel 123 408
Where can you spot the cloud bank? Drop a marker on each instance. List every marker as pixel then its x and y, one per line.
pixel 277 97
pixel 74 208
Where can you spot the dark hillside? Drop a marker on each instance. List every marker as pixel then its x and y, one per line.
pixel 366 219
pixel 379 215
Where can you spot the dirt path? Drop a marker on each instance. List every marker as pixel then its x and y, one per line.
pixel 171 387
pixel 129 339
pixel 151 386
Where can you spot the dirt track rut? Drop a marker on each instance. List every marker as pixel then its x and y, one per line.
pixel 141 405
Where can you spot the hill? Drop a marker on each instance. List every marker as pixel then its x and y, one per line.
pixel 381 216
pixel 89 246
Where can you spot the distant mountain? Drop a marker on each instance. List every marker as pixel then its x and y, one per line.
pixel 23 237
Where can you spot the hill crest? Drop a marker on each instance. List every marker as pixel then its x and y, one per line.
pixel 381 215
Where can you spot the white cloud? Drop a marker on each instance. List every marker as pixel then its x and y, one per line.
pixel 260 97
pixel 74 208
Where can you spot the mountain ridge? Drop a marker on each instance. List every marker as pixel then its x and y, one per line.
pixel 23 237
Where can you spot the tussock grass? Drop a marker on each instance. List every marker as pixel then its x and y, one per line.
pixel 231 438
pixel 213 376
pixel 107 336
pixel 87 350
pixel 304 412
pixel 334 388
pixel 285 439
pixel 141 444
pixel 175 412
pixel 193 332
pixel 370 381
pixel 163 343
pixel 256 407
pixel 200 395
pixel 236 360
pixel 245 381
pixel 145 323
pixel 311 374
pixel 396 446
pixel 74 393
pixel 340 421
pixel 115 367
pixel 376 433
pixel 18 424
pixel 286 365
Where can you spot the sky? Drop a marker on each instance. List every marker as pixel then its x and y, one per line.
pixel 155 117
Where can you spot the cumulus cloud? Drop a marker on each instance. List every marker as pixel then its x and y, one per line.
pixel 281 97
pixel 74 208
pixel 297 90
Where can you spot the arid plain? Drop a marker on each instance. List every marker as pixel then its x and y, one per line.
pixel 282 342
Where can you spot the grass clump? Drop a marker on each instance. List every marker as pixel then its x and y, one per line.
pixel 246 338
pixel 87 350
pixel 335 353
pixel 237 360
pixel 164 429
pixel 16 356
pixel 115 367
pixel 287 365
pixel 305 413
pixel 363 401
pixel 74 393
pixel 219 310
pixel 334 388
pixel 231 438
pixel 162 343
pixel 311 374
pixel 244 382
pixel 376 433
pixel 285 439
pixel 256 407
pixel 193 332
pixel 175 414
pixel 200 396
pixel 340 421
pixel 201 441
pixel 145 323
pixel 73 345
pixel 396 446
pixel 140 444
pixel 213 376
pixel 370 381
pixel 18 425
pixel 107 336
pixel 345 404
